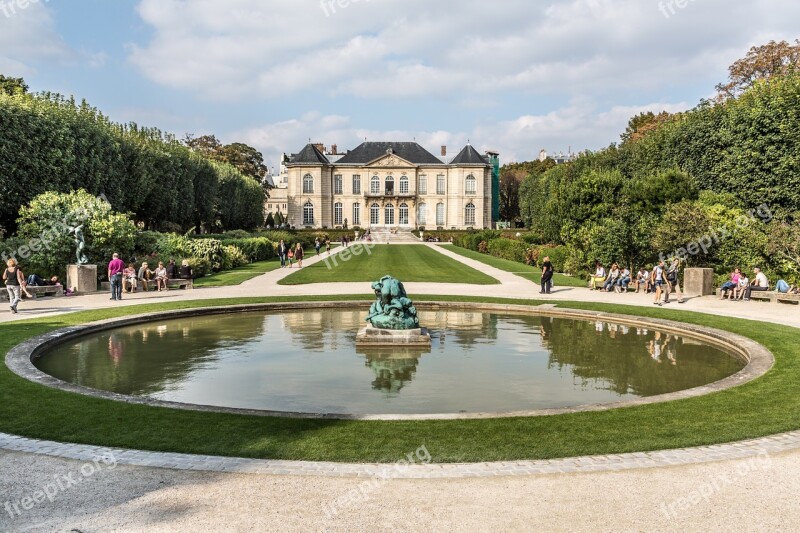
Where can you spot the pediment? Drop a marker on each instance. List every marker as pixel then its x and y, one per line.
pixel 391 161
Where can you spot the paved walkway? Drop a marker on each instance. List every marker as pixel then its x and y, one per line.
pixel 755 490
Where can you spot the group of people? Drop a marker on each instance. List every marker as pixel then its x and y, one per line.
pixel 740 287
pixel 17 284
pixel 288 254
pixel 127 278
pixel 662 280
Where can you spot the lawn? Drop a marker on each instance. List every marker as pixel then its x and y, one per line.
pixel 765 406
pixel 415 262
pixel 239 275
pixel 522 270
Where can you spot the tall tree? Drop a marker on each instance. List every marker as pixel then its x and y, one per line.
pixel 12 86
pixel 643 123
pixel 761 62
pixel 510 182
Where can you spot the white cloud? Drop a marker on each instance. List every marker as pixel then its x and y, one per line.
pixel 26 36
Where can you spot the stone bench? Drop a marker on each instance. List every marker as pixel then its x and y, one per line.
pixel 771 296
pixel 37 292
pixel 105 286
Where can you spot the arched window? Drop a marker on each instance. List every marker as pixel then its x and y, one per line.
pixel 308 214
pixel 404 185
pixel 403 216
pixel 389 218
pixel 308 184
pixel 375 185
pixel 356 214
pixel 440 214
pixel 374 215
pixel 338 215
pixel 469 215
pixel 389 186
pixel 422 214
pixel 471 185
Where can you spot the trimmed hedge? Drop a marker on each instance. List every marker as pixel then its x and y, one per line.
pixel 508 249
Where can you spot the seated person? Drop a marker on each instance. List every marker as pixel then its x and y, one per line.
pixel 613 277
pixel 643 280
pixel 161 277
pixel 730 286
pixel 599 276
pixel 145 276
pixel 738 292
pixel 186 270
pixel 624 281
pixel 172 270
pixel 129 279
pixel 759 284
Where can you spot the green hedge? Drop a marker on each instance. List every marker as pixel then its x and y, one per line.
pixel 508 249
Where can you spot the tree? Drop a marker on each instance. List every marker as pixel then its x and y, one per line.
pixel 13 86
pixel 682 227
pixel 642 124
pixel 247 159
pixel 762 62
pixel 509 195
pixel 207 145
pixel 270 222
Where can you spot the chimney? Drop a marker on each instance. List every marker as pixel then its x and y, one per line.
pixel 444 151
pixel 320 147
pixel 334 150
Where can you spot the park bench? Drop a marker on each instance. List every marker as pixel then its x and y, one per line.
pixel 771 296
pixel 105 286
pixel 38 292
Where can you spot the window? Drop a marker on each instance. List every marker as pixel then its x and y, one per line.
pixel 389 219
pixel 469 215
pixel 356 214
pixel 374 215
pixel 337 214
pixel 440 184
pixel 471 185
pixel 404 185
pixel 389 186
pixel 403 217
pixel 422 214
pixel 423 185
pixel 308 214
pixel 375 185
pixel 356 184
pixel 440 214
pixel 337 184
pixel 308 184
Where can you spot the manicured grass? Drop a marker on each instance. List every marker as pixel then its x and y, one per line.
pixel 768 405
pixel 520 269
pixel 239 275
pixel 413 262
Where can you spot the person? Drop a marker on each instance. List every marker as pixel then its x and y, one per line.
pixel 657 280
pixel 298 254
pixel 283 252
pixel 624 281
pixel 327 246
pixel 35 281
pixel 547 275
pixel 613 277
pixel 186 270
pixel 673 280
pixel 729 287
pixel 599 276
pixel 130 278
pixel 116 269
pixel 144 276
pixel 317 245
pixel 738 292
pixel 759 284
pixel 172 270
pixel 161 277
pixel 344 241
pixel 290 255
pixel 782 287
pixel 14 280
pixel 643 279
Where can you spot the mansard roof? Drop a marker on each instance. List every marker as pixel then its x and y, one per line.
pixel 469 156
pixel 368 152
pixel 310 155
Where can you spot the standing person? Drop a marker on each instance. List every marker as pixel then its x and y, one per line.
pixel 328 246
pixel 161 277
pixel 673 280
pixel 298 254
pixel 317 245
pixel 283 252
pixel 759 284
pixel 14 280
pixel 547 275
pixel 172 270
pixel 115 271
pixel 290 255
pixel 657 280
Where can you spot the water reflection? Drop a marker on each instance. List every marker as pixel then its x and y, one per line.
pixel 307 361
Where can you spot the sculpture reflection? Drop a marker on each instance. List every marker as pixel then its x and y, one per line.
pixel 393 368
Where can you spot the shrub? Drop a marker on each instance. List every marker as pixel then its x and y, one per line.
pixel 254 248
pixel 483 247
pixel 232 257
pixel 236 234
pixel 508 249
pixel 201 267
pixel 558 256
pixel 210 249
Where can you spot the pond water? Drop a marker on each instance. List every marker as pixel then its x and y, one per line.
pixel 307 361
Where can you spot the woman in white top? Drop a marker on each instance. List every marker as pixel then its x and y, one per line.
pixel 598 278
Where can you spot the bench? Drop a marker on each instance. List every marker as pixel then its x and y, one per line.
pixel 771 296
pixel 38 292
pixel 105 286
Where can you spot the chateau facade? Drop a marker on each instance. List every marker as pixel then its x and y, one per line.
pixel 397 185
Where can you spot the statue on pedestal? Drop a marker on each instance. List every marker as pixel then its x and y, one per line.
pixel 80 244
pixel 392 309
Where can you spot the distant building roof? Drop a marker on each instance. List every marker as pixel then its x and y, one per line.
pixel 310 155
pixel 370 151
pixel 469 156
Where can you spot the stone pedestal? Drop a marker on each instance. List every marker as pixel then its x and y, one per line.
pixel 82 279
pixel 372 336
pixel 698 282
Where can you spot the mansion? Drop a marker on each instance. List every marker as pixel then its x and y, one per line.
pixel 397 185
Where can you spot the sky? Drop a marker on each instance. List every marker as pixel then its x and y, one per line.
pixel 515 76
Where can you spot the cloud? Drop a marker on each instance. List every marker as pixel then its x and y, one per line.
pixel 579 125
pixel 418 48
pixel 27 36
